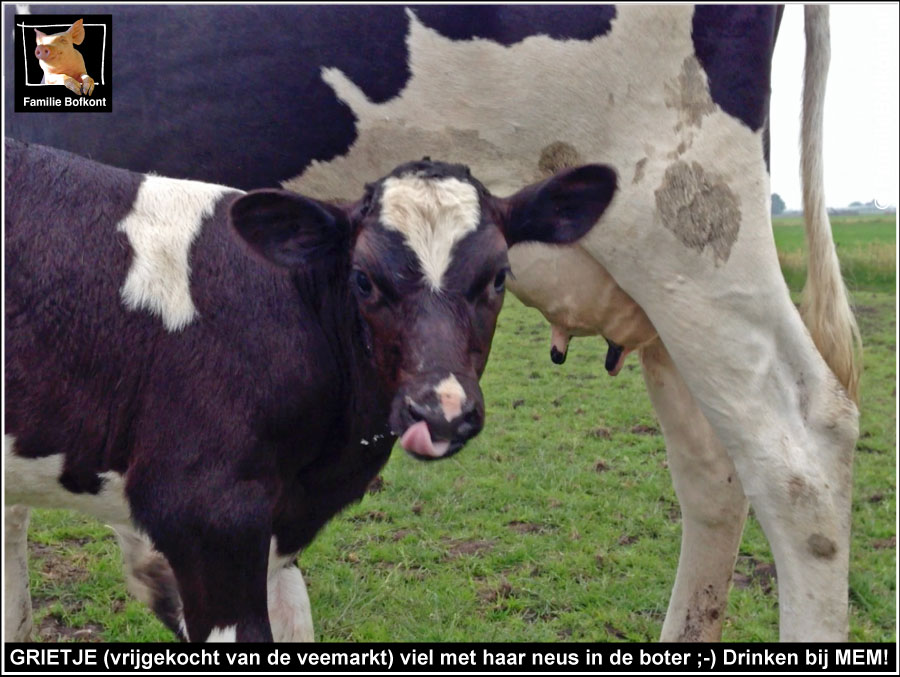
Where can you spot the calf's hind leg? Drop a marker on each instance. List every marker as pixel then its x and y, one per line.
pixel 150 578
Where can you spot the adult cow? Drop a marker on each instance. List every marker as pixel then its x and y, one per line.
pixel 218 411
pixel 676 99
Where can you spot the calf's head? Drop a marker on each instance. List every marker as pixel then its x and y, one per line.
pixel 424 258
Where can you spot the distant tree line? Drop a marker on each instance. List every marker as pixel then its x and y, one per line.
pixel 856 207
pixel 777 204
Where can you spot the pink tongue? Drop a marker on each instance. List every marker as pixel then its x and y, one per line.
pixel 620 363
pixel 417 439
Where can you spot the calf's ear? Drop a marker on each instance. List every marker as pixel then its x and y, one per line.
pixel 76 31
pixel 558 210
pixel 290 230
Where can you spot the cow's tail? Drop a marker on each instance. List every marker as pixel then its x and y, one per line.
pixel 825 307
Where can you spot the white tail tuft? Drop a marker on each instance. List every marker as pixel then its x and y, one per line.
pixel 825 307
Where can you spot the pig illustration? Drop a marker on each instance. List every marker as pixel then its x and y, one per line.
pixel 61 62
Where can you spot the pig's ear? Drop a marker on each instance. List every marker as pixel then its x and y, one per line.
pixel 558 210
pixel 76 32
pixel 39 35
pixel 290 230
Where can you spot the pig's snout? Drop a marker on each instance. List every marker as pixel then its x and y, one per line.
pixel 42 52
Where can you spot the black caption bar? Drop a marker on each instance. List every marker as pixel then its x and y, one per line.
pixel 418 658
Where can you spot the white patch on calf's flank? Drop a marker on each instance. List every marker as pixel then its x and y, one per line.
pixel 161 227
pixel 432 215
pixel 35 482
pixel 452 397
pixel 226 634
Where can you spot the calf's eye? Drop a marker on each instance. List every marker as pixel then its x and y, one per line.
pixel 363 283
pixel 500 281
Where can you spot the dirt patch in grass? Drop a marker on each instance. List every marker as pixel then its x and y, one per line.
pixel 59 566
pixel 670 509
pixel 400 534
pixel 530 615
pixel 467 547
pixel 371 516
pixel 53 629
pixel 885 543
pixel 409 571
pixel 761 573
pixel 614 632
pixel 528 527
pixel 493 594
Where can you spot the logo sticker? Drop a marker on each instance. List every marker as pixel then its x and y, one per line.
pixel 63 63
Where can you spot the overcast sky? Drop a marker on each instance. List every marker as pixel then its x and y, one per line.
pixel 861 112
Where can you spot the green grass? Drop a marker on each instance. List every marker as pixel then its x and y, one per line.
pixel 866 246
pixel 559 522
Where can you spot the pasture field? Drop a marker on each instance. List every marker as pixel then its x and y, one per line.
pixel 558 523
pixel 866 245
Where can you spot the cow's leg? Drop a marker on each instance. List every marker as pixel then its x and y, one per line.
pixel 713 506
pixel 150 579
pixel 15 572
pixel 743 351
pixel 289 612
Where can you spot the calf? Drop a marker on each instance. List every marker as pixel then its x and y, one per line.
pixel 218 408
pixel 61 62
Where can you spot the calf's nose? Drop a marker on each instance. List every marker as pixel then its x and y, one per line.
pixel 464 425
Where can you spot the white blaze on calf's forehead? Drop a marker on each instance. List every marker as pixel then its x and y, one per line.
pixel 432 215
pixel 451 396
